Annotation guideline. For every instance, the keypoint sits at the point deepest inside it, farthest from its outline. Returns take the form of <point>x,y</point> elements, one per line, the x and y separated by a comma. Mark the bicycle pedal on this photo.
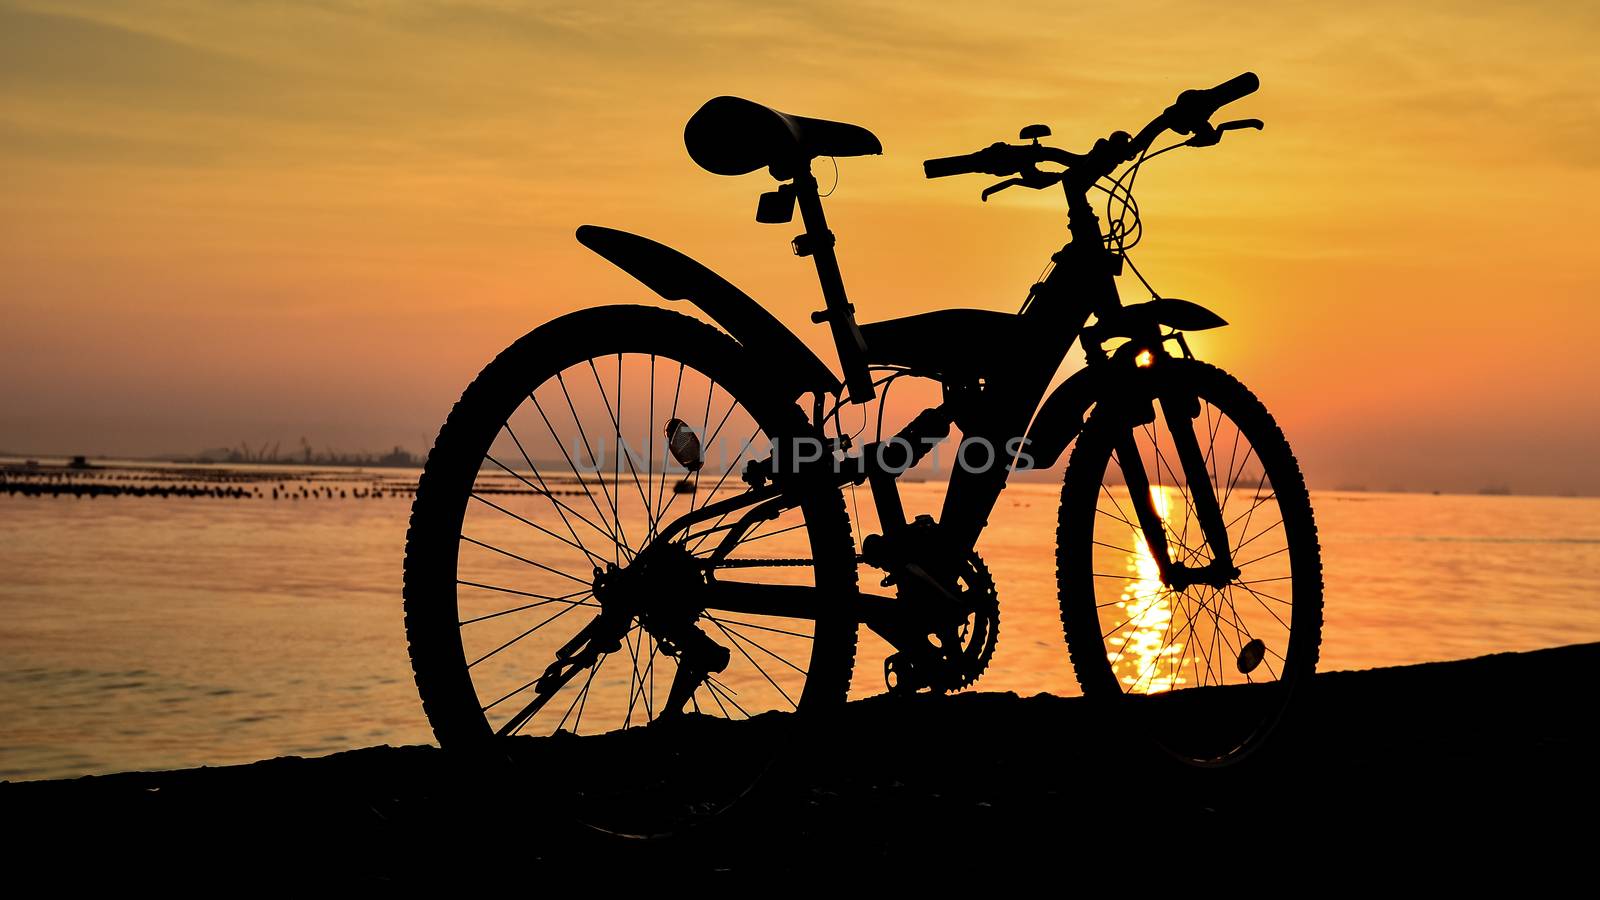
<point>901,676</point>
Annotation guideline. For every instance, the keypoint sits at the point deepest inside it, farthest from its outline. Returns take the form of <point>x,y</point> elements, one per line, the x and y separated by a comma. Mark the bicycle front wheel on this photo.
<point>1206,669</point>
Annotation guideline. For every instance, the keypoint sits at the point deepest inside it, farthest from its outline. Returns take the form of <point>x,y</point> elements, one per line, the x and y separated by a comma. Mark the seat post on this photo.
<point>817,243</point>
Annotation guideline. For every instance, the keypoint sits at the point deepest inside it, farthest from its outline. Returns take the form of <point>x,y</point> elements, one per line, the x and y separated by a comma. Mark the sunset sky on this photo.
<point>226,222</point>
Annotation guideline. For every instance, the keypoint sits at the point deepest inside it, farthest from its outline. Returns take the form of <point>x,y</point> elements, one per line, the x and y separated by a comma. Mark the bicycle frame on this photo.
<point>999,411</point>
<point>1007,408</point>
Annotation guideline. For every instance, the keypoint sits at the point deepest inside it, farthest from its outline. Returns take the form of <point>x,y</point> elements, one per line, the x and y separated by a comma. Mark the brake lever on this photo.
<point>1257,124</point>
<point>997,188</point>
<point>1029,178</point>
<point>1208,135</point>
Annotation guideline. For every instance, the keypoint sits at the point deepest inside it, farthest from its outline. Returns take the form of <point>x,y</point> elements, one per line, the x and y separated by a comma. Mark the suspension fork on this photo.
<point>1144,504</point>
<point>1179,410</point>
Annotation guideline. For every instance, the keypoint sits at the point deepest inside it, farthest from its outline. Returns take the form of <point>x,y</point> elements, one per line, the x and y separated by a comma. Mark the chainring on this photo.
<point>977,637</point>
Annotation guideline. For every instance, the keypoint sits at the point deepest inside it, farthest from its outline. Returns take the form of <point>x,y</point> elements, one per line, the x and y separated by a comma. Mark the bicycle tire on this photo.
<point>1230,723</point>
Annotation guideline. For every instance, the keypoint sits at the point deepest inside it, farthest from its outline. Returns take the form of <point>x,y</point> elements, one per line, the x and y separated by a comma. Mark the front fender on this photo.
<point>1138,319</point>
<point>1061,417</point>
<point>790,364</point>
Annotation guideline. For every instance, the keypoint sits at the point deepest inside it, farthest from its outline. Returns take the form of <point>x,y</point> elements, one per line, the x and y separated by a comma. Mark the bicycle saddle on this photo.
<point>733,136</point>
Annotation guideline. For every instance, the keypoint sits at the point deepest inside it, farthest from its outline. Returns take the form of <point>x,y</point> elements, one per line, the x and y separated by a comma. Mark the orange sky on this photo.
<point>226,222</point>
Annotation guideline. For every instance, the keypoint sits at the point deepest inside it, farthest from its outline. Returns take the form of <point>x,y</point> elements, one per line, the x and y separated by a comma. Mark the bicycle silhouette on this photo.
<point>633,515</point>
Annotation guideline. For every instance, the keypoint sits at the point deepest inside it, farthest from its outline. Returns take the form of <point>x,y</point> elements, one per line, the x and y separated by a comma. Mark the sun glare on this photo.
<point>1146,607</point>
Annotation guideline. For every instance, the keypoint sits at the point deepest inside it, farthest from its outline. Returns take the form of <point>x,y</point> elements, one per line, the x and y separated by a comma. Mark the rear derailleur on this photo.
<point>649,591</point>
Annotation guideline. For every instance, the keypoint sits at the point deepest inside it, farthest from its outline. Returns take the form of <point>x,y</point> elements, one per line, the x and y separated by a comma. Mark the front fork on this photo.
<point>1179,409</point>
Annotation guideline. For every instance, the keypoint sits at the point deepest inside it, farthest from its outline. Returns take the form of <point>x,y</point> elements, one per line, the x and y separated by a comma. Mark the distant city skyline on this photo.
<point>1456,480</point>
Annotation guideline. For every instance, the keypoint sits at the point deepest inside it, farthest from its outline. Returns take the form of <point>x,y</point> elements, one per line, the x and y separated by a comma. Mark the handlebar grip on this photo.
<point>946,166</point>
<point>1233,89</point>
<point>1194,108</point>
<point>995,159</point>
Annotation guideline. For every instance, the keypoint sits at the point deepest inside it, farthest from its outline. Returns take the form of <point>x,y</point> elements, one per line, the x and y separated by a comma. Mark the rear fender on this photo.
<point>788,364</point>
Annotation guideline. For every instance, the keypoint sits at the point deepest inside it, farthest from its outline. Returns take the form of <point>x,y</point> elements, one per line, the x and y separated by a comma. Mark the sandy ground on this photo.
<point>1430,775</point>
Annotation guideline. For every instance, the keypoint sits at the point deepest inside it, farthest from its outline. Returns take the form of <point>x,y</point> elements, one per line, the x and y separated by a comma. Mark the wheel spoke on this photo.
<point>524,559</point>
<point>712,690</point>
<point>1250,513</point>
<point>519,637</point>
<point>718,486</point>
<point>621,445</point>
<point>733,633</point>
<point>561,508</point>
<point>1245,543</point>
<point>1266,607</point>
<point>718,689</point>
<point>543,601</point>
<point>751,660</point>
<point>536,526</point>
<point>650,452</point>
<point>661,492</point>
<point>578,701</point>
<point>632,644</point>
<point>647,680</point>
<point>617,537</point>
<point>1283,549</point>
<point>509,696</point>
<point>611,500</point>
<point>726,621</point>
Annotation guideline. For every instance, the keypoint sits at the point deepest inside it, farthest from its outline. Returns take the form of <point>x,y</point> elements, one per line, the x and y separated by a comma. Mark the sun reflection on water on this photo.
<point>1146,609</point>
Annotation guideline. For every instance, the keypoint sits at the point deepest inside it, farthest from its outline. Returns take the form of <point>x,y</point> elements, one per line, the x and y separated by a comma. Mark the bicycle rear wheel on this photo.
<point>1206,670</point>
<point>548,480</point>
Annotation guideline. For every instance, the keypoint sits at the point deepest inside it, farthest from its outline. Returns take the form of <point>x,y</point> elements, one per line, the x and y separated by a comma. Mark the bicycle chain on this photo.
<point>762,563</point>
<point>986,611</point>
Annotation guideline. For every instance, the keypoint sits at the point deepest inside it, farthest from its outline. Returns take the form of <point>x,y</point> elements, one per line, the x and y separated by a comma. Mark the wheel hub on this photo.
<point>1181,578</point>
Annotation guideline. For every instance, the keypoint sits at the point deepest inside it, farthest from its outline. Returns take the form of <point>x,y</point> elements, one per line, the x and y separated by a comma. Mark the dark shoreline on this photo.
<point>1477,761</point>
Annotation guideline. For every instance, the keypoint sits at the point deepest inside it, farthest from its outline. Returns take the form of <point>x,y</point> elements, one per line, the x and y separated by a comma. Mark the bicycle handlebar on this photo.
<point>1189,114</point>
<point>999,159</point>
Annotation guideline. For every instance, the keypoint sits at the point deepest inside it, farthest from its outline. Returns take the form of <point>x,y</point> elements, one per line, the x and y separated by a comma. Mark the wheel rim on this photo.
<point>1241,641</point>
<point>554,500</point>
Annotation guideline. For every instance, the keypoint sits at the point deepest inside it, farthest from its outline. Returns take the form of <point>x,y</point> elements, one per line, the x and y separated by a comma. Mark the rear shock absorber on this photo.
<point>901,453</point>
